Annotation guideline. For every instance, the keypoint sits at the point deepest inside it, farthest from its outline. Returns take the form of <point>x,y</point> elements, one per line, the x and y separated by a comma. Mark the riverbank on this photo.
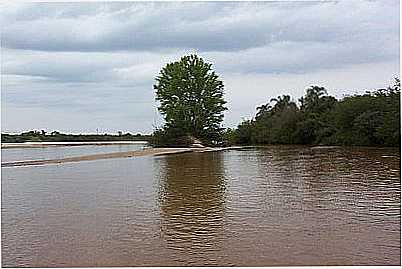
<point>42,136</point>
<point>126,154</point>
<point>67,144</point>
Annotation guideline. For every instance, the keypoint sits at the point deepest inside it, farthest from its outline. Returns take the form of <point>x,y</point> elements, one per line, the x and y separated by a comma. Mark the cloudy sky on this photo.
<point>76,67</point>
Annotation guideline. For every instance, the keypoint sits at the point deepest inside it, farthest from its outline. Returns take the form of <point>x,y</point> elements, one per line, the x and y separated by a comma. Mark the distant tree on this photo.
<point>315,123</point>
<point>191,99</point>
<point>316,100</point>
<point>390,129</point>
<point>263,110</point>
<point>370,119</point>
<point>244,133</point>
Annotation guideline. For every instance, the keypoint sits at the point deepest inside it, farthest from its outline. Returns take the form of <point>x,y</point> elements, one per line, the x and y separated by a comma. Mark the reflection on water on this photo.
<point>191,198</point>
<point>257,207</point>
<point>302,206</point>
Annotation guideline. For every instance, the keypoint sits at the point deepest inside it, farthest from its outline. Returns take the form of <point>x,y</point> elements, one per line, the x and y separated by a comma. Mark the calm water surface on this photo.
<point>258,207</point>
<point>24,154</point>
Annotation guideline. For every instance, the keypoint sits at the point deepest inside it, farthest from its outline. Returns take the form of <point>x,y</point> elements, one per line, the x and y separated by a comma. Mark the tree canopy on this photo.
<point>190,97</point>
<point>370,119</point>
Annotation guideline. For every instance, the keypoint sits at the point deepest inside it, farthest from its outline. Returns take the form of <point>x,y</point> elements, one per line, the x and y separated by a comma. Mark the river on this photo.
<point>271,206</point>
<point>58,150</point>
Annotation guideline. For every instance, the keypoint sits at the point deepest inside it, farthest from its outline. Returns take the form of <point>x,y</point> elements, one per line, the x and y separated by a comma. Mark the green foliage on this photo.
<point>276,124</point>
<point>191,100</point>
<point>55,136</point>
<point>170,137</point>
<point>371,119</point>
<point>316,101</point>
<point>244,133</point>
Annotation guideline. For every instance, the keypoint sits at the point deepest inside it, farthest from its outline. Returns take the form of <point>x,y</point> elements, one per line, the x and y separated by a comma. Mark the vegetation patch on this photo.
<point>370,119</point>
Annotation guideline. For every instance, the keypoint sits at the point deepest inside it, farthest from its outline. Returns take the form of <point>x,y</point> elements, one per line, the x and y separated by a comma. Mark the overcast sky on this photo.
<point>77,67</point>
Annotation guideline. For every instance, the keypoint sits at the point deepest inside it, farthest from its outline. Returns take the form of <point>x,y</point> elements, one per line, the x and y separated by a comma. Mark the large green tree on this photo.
<point>190,95</point>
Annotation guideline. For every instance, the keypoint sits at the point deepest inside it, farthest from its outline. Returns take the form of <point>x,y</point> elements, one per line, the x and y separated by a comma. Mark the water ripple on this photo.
<point>273,206</point>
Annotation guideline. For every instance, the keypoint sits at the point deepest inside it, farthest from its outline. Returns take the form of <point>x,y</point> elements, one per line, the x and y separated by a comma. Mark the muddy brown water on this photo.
<point>254,207</point>
<point>21,152</point>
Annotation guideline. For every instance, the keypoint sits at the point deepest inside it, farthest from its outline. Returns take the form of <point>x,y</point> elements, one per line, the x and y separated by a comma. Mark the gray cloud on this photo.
<point>99,60</point>
<point>204,26</point>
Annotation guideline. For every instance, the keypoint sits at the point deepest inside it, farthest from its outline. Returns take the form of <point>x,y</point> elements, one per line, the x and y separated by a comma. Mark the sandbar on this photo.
<point>125,154</point>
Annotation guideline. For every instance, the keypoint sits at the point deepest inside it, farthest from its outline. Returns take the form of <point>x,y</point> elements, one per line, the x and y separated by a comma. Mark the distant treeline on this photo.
<point>42,136</point>
<point>370,119</point>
